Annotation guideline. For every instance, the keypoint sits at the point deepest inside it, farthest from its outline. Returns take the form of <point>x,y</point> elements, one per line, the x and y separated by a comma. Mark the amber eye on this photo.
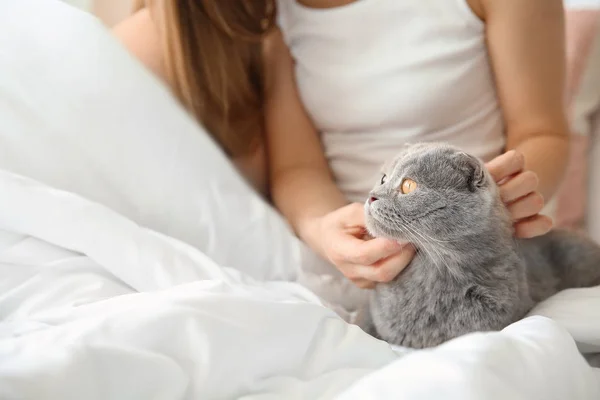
<point>383,179</point>
<point>408,186</point>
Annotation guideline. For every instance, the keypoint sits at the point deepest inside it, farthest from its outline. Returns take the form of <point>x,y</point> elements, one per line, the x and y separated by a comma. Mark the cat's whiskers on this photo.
<point>425,243</point>
<point>433,252</point>
<point>419,239</point>
<point>430,251</point>
<point>435,240</point>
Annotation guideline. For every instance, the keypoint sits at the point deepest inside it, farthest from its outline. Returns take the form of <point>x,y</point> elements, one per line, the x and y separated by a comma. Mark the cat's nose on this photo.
<point>372,199</point>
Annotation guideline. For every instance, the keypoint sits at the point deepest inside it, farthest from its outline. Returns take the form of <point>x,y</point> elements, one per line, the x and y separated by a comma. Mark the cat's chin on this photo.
<point>378,230</point>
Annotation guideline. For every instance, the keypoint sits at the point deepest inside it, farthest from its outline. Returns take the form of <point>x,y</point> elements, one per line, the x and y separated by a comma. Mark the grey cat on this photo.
<point>469,273</point>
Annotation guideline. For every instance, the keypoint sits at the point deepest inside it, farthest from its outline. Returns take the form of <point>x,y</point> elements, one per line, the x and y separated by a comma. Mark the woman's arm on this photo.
<point>526,45</point>
<point>301,183</point>
<point>302,186</point>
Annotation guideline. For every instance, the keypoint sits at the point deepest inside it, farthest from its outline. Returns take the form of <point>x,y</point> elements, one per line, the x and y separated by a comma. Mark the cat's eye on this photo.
<point>383,179</point>
<point>408,186</point>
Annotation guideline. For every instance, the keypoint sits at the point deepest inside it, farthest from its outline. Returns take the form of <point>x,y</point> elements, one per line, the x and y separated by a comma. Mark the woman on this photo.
<point>224,64</point>
<point>486,75</point>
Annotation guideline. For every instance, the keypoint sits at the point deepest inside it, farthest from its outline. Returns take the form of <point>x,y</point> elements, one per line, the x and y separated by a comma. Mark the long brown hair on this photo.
<point>213,60</point>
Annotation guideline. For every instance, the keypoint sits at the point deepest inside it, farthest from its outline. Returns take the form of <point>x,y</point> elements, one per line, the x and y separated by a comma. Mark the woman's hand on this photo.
<point>363,260</point>
<point>518,190</point>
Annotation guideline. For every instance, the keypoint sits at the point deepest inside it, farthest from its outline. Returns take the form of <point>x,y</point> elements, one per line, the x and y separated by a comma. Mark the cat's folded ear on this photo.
<point>474,170</point>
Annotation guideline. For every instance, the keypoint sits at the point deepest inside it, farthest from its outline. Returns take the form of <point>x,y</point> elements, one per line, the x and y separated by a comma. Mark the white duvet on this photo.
<point>136,264</point>
<point>94,306</point>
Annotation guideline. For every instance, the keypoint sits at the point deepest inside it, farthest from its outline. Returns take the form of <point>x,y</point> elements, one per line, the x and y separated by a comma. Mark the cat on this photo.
<point>469,273</point>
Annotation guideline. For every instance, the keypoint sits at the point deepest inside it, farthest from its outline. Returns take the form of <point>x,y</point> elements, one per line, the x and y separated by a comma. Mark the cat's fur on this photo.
<point>469,273</point>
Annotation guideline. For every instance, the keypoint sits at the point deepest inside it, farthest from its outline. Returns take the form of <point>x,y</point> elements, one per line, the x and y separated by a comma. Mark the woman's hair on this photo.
<point>213,61</point>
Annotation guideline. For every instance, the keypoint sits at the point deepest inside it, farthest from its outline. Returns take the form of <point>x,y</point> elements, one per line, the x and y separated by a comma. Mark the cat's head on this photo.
<point>432,193</point>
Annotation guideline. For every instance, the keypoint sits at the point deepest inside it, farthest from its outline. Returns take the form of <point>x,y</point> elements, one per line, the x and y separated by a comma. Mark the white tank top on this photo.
<point>376,74</point>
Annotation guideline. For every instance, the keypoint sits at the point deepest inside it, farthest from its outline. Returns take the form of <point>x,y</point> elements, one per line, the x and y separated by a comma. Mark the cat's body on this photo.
<point>469,274</point>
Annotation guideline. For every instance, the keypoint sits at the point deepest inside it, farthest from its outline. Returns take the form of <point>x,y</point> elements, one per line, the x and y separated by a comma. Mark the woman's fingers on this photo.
<point>351,250</point>
<point>534,226</point>
<point>506,165</point>
<point>351,215</point>
<point>519,186</point>
<point>386,270</point>
<point>372,251</point>
<point>363,260</point>
<point>526,207</point>
<point>518,190</point>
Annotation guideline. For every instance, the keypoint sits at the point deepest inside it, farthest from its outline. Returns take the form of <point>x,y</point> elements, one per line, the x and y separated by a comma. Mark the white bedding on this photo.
<point>136,264</point>
<point>94,306</point>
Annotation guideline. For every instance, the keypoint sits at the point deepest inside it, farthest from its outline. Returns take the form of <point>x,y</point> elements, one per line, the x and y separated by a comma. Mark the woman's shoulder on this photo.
<point>139,33</point>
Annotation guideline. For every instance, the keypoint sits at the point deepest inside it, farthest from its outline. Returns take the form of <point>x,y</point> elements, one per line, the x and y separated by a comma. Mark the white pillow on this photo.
<point>77,112</point>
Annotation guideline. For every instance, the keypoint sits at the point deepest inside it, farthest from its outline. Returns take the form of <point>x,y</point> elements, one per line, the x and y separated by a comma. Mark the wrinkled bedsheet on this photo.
<point>94,306</point>
<point>135,263</point>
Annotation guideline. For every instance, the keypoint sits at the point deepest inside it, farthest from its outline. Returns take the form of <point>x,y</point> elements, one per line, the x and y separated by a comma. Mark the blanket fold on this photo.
<point>94,306</point>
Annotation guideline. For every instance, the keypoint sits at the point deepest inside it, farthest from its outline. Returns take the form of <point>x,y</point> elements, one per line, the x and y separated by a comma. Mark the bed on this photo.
<point>135,263</point>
